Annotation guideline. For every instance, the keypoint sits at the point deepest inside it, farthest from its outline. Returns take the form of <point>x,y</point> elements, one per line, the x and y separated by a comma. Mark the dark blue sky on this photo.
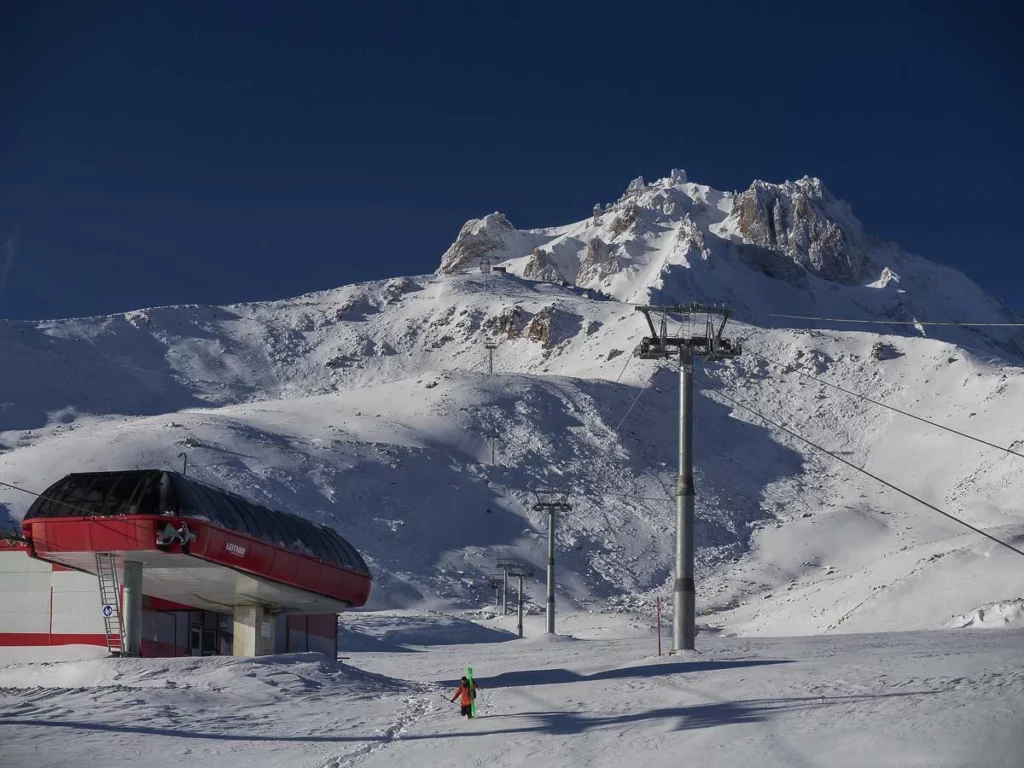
<point>171,152</point>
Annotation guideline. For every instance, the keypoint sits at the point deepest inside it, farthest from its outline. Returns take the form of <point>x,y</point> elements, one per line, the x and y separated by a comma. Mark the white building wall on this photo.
<point>76,604</point>
<point>24,593</point>
<point>36,599</point>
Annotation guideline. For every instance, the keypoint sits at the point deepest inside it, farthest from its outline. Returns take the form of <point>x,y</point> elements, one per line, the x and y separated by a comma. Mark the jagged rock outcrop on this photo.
<point>541,267</point>
<point>477,238</point>
<point>598,262</point>
<point>636,187</point>
<point>510,323</point>
<point>539,328</point>
<point>626,221</point>
<point>803,221</point>
<point>691,239</point>
<point>551,327</point>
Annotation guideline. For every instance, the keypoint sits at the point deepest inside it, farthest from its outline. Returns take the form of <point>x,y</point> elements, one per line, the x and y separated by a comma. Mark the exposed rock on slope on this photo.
<point>491,237</point>
<point>598,262</point>
<point>794,219</point>
<point>541,267</point>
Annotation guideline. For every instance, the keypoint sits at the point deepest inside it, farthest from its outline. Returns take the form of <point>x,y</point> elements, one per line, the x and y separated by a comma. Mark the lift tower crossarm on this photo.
<point>659,345</point>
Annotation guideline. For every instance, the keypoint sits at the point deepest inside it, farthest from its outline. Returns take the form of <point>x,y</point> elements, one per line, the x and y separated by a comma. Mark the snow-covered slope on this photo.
<point>601,699</point>
<point>367,407</point>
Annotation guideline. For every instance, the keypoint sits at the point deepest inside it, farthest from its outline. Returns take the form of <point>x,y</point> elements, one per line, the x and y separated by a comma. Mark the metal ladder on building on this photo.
<point>110,603</point>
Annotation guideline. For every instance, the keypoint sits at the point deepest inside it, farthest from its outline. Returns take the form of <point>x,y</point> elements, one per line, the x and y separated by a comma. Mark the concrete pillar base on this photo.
<point>254,631</point>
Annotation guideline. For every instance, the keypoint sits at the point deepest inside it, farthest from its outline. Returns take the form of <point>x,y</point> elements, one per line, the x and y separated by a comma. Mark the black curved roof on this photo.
<point>156,492</point>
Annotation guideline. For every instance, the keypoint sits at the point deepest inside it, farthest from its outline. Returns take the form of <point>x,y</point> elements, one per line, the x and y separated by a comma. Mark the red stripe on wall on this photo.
<point>159,604</point>
<point>154,649</point>
<point>44,639</point>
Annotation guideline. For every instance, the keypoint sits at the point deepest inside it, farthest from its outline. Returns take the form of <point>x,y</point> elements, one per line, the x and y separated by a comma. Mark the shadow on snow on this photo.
<point>551,722</point>
<point>556,676</point>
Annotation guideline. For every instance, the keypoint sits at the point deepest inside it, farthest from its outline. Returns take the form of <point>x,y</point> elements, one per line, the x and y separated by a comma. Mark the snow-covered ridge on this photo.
<point>1003,614</point>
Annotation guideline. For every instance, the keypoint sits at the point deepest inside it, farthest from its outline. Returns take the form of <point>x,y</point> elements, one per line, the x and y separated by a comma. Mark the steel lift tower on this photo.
<point>708,343</point>
<point>504,564</point>
<point>490,346</point>
<point>496,583</point>
<point>520,571</point>
<point>551,502</point>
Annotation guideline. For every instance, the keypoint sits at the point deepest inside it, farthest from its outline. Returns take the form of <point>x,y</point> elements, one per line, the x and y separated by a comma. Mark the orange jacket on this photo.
<point>467,697</point>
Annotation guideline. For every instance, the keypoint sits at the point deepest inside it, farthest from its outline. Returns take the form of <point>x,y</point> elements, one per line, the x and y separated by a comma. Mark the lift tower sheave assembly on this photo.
<point>706,342</point>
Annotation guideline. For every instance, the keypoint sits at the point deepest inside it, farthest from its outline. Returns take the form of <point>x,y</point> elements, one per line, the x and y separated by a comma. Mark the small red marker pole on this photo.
<point>659,626</point>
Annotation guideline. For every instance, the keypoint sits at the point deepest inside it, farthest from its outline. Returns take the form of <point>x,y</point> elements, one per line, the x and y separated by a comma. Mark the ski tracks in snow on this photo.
<point>417,706</point>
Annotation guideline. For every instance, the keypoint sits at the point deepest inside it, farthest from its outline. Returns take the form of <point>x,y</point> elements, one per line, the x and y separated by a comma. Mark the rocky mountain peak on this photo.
<point>775,247</point>
<point>477,238</point>
<point>636,187</point>
<point>803,221</point>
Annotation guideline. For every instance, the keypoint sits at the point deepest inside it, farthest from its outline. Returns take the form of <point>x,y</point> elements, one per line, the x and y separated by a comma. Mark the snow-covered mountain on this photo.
<point>367,407</point>
<point>788,248</point>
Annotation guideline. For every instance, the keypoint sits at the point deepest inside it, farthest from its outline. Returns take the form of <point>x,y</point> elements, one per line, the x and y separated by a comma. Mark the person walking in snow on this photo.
<point>467,695</point>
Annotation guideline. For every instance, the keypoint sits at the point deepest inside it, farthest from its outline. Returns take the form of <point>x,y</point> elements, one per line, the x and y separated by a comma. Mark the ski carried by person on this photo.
<point>467,694</point>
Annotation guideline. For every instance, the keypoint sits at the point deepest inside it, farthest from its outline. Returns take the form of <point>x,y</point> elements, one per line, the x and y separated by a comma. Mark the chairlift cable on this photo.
<point>890,407</point>
<point>875,477</point>
<point>951,323</point>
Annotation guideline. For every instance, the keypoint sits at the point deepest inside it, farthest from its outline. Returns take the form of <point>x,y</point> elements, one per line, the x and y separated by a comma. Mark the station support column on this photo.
<point>132,607</point>
<point>254,631</point>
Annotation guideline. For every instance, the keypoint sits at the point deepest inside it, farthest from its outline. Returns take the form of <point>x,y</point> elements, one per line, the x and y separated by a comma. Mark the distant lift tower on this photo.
<point>492,436</point>
<point>520,571</point>
<point>504,565</point>
<point>658,346</point>
<point>496,583</point>
<point>490,346</point>
<point>485,269</point>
